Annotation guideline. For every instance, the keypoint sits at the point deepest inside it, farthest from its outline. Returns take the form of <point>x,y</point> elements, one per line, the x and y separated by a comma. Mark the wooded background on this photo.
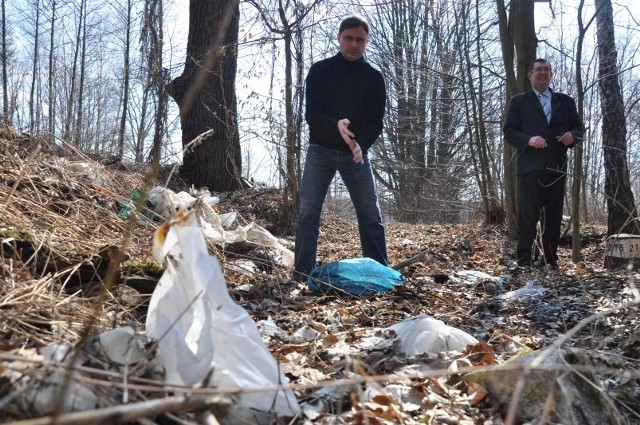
<point>120,79</point>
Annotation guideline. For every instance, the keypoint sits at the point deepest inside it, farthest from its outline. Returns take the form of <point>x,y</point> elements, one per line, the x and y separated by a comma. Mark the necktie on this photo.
<point>545,106</point>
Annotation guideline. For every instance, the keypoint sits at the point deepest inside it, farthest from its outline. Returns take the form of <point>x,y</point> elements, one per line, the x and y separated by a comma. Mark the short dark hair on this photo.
<point>533,64</point>
<point>354,21</point>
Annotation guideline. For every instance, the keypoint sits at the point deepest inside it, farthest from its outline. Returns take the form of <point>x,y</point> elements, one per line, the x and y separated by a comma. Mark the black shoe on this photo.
<point>524,262</point>
<point>542,263</point>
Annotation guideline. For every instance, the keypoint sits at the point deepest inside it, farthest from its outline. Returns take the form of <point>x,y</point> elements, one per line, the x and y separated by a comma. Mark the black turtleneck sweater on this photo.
<point>337,88</point>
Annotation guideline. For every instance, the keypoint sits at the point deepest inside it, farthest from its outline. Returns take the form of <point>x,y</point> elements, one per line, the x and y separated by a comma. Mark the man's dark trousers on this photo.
<point>543,202</point>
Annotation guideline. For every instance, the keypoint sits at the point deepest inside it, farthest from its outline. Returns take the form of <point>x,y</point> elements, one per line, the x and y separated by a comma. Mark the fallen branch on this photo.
<point>409,261</point>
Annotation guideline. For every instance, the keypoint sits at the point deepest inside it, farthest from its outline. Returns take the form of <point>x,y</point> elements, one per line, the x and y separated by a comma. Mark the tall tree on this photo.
<point>578,153</point>
<point>400,33</point>
<point>5,59</point>
<point>285,20</point>
<point>474,92</point>
<point>81,82</point>
<point>519,44</point>
<point>152,30</point>
<point>126,75</point>
<point>35,70</point>
<point>52,73</point>
<point>620,202</point>
<point>66,135</point>
<point>205,94</point>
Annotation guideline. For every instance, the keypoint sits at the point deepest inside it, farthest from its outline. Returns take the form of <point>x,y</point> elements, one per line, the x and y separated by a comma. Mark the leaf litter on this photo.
<point>72,270</point>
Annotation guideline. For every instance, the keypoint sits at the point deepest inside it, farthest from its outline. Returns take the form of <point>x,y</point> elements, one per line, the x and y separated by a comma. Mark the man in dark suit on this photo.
<point>541,125</point>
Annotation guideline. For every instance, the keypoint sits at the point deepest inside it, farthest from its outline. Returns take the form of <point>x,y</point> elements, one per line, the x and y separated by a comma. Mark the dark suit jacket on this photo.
<point>526,119</point>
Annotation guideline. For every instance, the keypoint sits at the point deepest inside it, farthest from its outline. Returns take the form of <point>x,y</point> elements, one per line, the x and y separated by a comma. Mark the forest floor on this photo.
<point>62,235</point>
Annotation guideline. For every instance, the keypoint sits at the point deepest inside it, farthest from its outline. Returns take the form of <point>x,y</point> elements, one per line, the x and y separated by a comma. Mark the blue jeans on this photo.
<point>320,167</point>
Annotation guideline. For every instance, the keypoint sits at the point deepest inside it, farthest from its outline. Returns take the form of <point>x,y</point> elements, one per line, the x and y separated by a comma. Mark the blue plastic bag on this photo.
<point>356,276</point>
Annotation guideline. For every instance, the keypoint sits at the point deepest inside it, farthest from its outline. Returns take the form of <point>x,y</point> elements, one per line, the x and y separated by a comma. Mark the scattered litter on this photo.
<point>268,328</point>
<point>477,277</point>
<point>244,267</point>
<point>529,292</point>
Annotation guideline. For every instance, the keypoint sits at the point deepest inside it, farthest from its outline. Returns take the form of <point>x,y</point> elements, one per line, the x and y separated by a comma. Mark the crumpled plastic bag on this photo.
<point>166,202</point>
<point>425,334</point>
<point>215,227</point>
<point>204,337</point>
<point>356,276</point>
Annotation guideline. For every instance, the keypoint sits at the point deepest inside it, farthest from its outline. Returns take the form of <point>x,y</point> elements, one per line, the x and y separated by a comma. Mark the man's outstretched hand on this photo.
<point>350,139</point>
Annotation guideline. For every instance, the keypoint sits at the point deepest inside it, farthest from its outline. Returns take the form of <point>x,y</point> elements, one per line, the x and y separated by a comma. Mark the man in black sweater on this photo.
<point>541,124</point>
<point>345,105</point>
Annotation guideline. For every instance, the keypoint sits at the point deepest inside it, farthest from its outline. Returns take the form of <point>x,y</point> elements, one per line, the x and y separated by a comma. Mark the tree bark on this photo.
<point>578,152</point>
<point>156,76</point>
<point>126,78</point>
<point>66,135</point>
<point>5,59</point>
<point>79,140</point>
<point>519,44</point>
<point>34,78</point>
<point>493,209</point>
<point>205,93</point>
<point>52,74</point>
<point>620,202</point>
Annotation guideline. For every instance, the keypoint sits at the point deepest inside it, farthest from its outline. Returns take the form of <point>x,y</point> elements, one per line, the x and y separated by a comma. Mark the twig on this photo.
<point>130,412</point>
<point>404,263</point>
<point>19,179</point>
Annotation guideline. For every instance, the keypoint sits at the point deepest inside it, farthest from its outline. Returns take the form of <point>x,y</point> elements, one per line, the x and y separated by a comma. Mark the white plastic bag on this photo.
<point>201,329</point>
<point>424,334</point>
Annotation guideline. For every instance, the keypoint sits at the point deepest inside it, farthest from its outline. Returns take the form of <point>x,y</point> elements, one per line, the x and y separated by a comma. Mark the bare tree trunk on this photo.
<point>493,210</point>
<point>620,202</point>
<point>51,129</point>
<point>34,71</point>
<point>125,89</point>
<point>518,40</point>
<point>404,155</point>
<point>205,93</point>
<point>291,198</point>
<point>83,68</point>
<point>6,116</point>
<point>66,135</point>
<point>142,131</point>
<point>298,118</point>
<point>292,33</point>
<point>578,152</point>
<point>158,80</point>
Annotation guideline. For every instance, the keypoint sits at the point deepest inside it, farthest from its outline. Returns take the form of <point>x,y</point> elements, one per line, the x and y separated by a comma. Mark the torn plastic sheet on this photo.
<point>202,331</point>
